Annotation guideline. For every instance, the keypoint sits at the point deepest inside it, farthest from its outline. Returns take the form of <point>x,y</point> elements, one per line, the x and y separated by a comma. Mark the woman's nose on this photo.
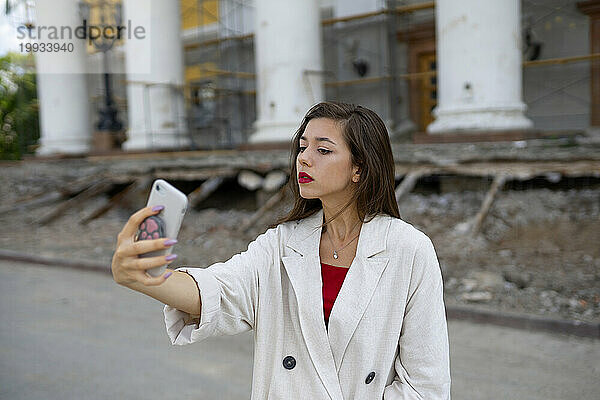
<point>303,158</point>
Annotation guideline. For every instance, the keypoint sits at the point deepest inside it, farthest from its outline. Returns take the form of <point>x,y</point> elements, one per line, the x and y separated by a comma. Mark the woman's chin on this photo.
<point>307,196</point>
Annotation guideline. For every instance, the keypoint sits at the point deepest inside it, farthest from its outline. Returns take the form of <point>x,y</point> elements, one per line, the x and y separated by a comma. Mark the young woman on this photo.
<point>345,298</point>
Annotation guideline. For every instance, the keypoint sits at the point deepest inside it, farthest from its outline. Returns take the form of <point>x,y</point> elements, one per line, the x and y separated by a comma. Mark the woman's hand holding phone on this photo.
<point>127,267</point>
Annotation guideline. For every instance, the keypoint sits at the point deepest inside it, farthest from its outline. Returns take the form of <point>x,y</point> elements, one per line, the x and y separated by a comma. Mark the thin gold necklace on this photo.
<point>335,252</point>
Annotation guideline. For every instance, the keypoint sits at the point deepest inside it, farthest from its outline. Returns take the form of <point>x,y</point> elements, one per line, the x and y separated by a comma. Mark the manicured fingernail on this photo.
<point>157,208</point>
<point>170,242</point>
<point>168,274</point>
<point>171,257</point>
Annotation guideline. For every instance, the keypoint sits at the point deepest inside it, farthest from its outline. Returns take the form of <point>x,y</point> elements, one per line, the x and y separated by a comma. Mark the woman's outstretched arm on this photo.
<point>179,291</point>
<point>229,291</point>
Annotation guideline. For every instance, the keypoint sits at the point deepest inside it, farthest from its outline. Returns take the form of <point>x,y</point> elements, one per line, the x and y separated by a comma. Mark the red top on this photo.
<point>333,277</point>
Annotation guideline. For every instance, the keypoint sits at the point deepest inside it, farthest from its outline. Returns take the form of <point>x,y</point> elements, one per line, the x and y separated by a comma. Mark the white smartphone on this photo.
<point>168,222</point>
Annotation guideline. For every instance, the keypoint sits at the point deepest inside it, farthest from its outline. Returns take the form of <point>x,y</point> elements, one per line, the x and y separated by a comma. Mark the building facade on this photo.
<point>223,73</point>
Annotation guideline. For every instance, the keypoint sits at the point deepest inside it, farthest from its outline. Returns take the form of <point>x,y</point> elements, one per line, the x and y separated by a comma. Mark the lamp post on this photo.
<point>110,17</point>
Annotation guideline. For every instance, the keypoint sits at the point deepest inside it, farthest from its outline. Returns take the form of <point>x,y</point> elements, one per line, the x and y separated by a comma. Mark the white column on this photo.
<point>154,65</point>
<point>65,124</point>
<point>479,66</point>
<point>287,44</point>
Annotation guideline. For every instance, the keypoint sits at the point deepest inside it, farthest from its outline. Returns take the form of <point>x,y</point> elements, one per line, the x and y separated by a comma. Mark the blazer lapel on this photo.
<point>359,285</point>
<point>351,303</point>
<point>304,271</point>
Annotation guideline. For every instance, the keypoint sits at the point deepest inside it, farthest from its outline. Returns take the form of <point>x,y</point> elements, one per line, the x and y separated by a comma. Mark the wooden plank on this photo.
<point>397,10</point>
<point>93,190</point>
<point>497,184</point>
<point>272,202</point>
<point>204,190</point>
<point>472,137</point>
<point>78,185</point>
<point>561,60</point>
<point>27,199</point>
<point>195,174</point>
<point>517,169</point>
<point>152,154</point>
<point>46,197</point>
<point>110,203</point>
<point>361,81</point>
<point>409,182</point>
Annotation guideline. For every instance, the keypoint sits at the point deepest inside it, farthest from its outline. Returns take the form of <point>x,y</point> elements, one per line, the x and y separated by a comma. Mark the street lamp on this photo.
<point>110,17</point>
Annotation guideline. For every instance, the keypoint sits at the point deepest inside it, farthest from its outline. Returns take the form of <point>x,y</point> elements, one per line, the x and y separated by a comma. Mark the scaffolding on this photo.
<point>221,98</point>
<point>220,89</point>
<point>374,62</point>
<point>556,85</point>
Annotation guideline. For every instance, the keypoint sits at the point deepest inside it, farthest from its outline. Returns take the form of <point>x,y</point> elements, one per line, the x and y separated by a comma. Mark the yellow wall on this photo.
<point>196,72</point>
<point>194,13</point>
<point>198,12</point>
<point>94,19</point>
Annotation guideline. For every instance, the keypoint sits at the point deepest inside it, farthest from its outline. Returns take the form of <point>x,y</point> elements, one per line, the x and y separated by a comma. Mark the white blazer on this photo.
<point>387,336</point>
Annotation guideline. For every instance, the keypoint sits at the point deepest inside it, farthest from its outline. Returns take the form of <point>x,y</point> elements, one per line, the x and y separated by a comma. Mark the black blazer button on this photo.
<point>289,362</point>
<point>370,378</point>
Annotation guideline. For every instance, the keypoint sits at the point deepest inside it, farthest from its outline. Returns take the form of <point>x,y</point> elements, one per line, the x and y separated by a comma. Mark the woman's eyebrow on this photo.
<point>319,139</point>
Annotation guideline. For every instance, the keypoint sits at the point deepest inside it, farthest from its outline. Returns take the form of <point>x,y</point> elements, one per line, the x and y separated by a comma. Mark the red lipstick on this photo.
<point>303,177</point>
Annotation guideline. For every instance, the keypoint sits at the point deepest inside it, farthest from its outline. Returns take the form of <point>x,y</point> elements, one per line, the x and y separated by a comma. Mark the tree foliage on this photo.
<point>19,120</point>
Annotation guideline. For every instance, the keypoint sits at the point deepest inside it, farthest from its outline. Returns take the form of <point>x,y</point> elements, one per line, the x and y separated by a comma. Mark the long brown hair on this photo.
<point>369,143</point>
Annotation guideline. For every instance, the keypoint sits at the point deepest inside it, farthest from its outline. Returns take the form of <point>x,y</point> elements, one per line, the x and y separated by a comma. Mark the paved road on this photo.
<point>70,334</point>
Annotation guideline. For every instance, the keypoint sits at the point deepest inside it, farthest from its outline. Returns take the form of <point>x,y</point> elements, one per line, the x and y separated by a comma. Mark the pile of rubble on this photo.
<point>536,251</point>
